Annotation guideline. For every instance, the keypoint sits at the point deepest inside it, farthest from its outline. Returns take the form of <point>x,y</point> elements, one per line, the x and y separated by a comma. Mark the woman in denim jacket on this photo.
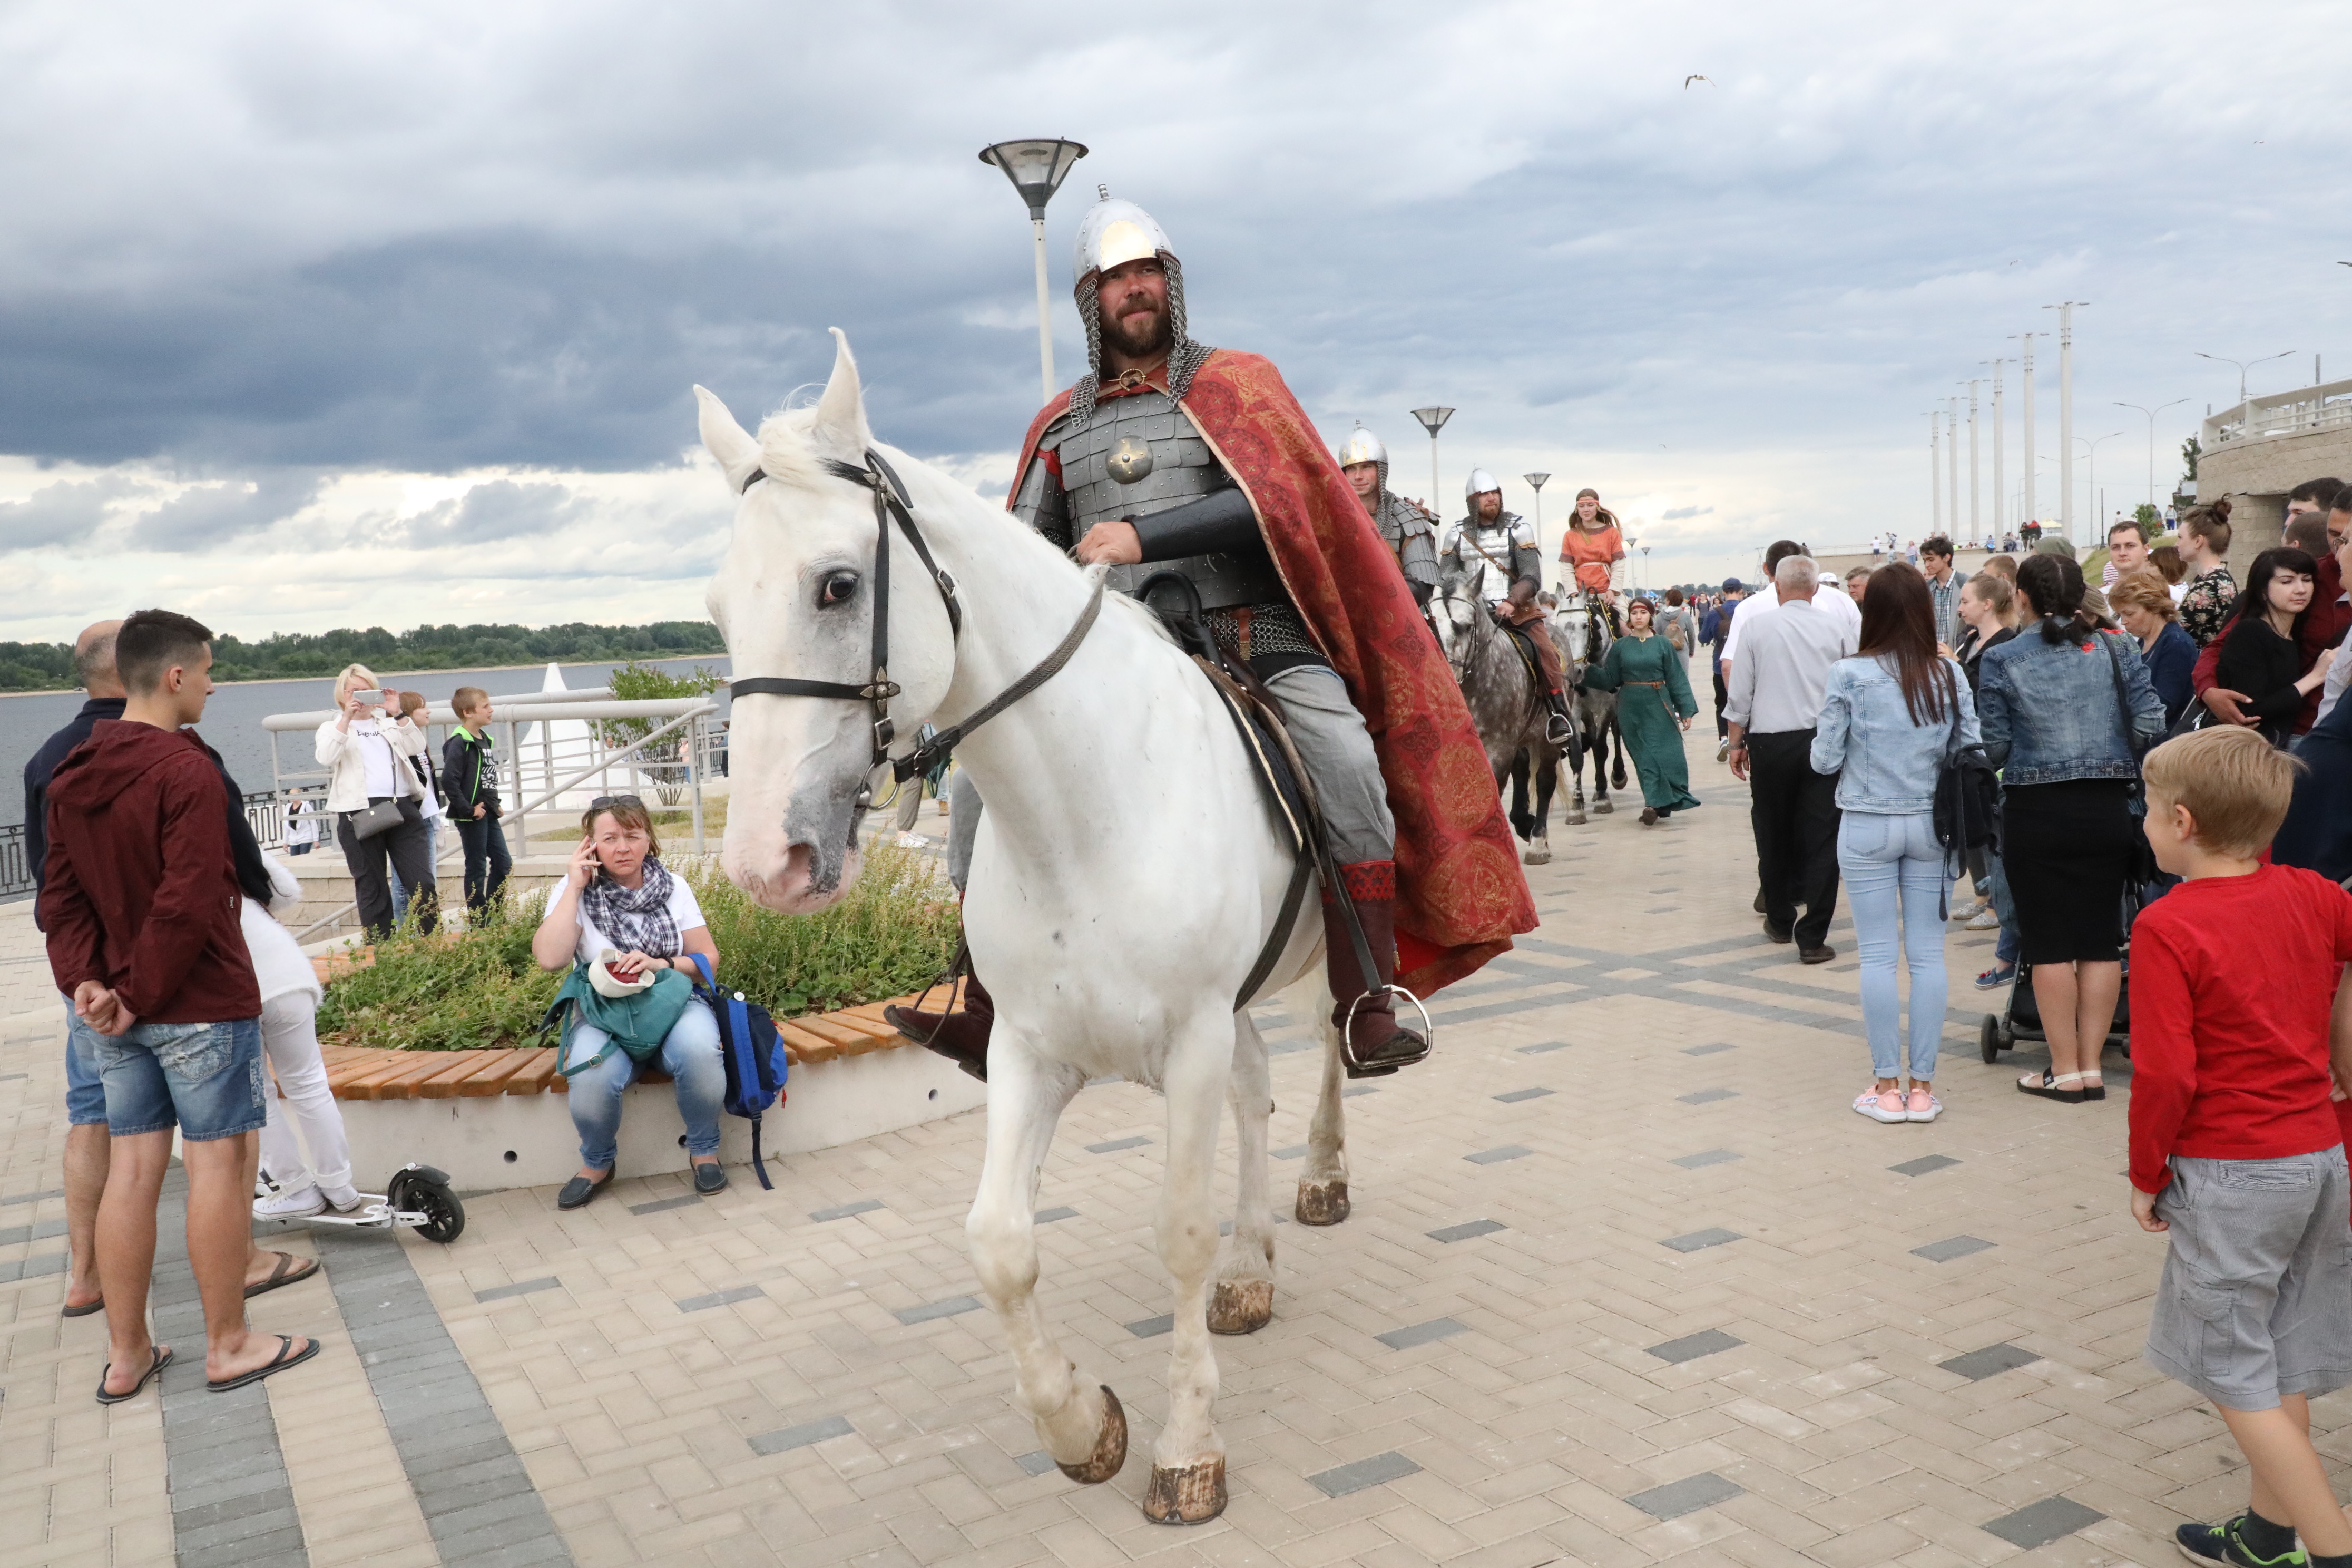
<point>2069,756</point>
<point>1890,714</point>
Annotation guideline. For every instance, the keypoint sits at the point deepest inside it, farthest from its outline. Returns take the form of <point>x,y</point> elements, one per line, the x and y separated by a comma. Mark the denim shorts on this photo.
<point>85,1095</point>
<point>2256,1299</point>
<point>205,1077</point>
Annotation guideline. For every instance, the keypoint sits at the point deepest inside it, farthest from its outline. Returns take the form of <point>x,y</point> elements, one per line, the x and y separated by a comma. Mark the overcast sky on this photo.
<point>364,314</point>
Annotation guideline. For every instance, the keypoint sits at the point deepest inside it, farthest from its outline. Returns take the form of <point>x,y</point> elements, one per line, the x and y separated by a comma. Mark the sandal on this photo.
<point>286,1356</point>
<point>284,1274</point>
<point>2049,1088</point>
<point>158,1359</point>
<point>84,1310</point>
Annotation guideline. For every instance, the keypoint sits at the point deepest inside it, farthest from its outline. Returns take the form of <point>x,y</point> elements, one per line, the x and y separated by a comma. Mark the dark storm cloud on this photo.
<point>61,513</point>
<point>501,508</point>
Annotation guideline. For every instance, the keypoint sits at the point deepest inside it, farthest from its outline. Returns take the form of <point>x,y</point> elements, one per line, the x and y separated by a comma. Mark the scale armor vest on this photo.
<point>1146,438</point>
<point>1411,537</point>
<point>1491,556</point>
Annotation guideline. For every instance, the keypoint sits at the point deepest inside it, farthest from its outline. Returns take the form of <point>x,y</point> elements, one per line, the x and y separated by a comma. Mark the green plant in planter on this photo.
<point>893,931</point>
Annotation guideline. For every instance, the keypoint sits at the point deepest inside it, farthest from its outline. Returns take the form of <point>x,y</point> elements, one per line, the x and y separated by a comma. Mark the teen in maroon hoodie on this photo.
<point>140,901</point>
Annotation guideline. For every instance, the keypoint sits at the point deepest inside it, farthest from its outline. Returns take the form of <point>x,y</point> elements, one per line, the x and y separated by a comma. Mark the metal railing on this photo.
<point>261,814</point>
<point>2327,406</point>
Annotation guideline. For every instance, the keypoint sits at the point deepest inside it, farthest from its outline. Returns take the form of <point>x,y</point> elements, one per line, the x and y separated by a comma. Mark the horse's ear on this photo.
<point>840,430</point>
<point>735,448</point>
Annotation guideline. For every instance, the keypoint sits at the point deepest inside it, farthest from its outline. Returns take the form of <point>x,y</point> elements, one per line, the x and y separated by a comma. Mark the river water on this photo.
<point>232,724</point>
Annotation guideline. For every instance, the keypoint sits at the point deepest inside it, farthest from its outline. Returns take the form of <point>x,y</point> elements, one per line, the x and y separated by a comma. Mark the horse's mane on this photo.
<point>788,456</point>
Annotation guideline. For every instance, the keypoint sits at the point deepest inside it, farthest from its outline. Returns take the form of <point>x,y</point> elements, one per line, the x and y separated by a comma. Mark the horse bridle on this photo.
<point>892,503</point>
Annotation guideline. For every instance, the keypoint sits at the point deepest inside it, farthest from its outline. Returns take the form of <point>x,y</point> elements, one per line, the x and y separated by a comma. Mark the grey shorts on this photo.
<point>2256,1299</point>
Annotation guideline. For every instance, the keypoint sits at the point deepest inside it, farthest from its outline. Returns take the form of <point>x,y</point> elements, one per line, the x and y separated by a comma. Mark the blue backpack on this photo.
<point>754,1055</point>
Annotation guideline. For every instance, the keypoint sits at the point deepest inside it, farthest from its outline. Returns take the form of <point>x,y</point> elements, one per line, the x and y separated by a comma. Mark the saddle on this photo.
<point>1523,644</point>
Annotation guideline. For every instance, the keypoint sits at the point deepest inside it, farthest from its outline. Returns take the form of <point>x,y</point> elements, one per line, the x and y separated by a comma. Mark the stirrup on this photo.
<point>954,972</point>
<point>1358,1068</point>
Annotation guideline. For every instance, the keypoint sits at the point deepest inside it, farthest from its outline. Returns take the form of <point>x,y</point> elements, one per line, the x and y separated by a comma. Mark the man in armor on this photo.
<point>1494,551</point>
<point>1406,528</point>
<point>1172,458</point>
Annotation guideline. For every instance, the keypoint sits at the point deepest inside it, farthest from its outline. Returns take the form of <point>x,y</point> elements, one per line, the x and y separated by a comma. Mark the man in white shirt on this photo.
<point>1837,606</point>
<point>1775,701</point>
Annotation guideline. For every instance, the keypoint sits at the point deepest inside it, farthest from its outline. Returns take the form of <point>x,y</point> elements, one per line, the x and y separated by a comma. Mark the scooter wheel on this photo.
<point>425,1192</point>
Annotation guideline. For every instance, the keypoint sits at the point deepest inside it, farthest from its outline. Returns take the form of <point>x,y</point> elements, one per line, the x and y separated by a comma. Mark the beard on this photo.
<point>1140,334</point>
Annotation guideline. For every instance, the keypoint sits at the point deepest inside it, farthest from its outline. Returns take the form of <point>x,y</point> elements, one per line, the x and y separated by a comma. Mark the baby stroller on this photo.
<point>2022,1019</point>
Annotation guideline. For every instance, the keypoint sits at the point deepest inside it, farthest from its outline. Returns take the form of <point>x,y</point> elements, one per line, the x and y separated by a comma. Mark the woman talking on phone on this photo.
<point>619,899</point>
<point>373,792</point>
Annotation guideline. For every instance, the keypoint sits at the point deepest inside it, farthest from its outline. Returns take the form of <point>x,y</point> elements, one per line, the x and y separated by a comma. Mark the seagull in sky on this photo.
<point>1688,79</point>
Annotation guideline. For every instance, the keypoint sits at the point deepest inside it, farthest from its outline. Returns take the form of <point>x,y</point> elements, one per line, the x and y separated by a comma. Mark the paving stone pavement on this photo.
<point>1626,1283</point>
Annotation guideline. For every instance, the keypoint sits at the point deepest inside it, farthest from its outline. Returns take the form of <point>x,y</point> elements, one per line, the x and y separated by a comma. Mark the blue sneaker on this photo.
<point>2225,1542</point>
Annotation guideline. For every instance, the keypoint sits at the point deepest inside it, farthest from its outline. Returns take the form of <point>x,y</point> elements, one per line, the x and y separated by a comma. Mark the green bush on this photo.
<point>891,933</point>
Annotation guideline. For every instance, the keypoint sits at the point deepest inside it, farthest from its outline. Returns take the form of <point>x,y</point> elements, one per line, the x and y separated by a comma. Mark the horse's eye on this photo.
<point>838,589</point>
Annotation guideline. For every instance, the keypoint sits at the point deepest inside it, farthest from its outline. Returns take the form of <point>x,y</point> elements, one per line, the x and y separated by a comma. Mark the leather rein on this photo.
<point>891,503</point>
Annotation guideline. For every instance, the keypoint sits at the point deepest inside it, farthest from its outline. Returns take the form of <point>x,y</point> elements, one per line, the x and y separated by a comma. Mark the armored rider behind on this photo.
<point>1494,551</point>
<point>1131,474</point>
<point>1408,531</point>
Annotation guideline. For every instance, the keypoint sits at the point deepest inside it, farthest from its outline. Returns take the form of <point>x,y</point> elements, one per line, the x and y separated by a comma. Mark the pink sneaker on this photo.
<point>1922,1107</point>
<point>1878,1107</point>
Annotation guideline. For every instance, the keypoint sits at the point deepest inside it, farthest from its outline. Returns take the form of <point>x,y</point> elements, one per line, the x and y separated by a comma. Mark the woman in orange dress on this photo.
<point>1592,543</point>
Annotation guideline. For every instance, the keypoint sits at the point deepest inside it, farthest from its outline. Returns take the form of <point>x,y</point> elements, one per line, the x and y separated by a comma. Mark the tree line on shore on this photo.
<point>48,666</point>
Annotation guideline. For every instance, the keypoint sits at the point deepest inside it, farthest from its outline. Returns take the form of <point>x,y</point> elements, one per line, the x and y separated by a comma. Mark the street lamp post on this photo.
<point>1935,472</point>
<point>1432,419</point>
<point>2025,381</point>
<point>2091,453</point>
<point>2065,309</point>
<point>2151,414</point>
<point>2242,364</point>
<point>1952,461</point>
<point>1974,517</point>
<point>2000,491</point>
<point>1538,482</point>
<point>1036,167</point>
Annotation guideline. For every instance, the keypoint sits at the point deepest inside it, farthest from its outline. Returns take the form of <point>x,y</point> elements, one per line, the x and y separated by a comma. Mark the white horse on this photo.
<point>1127,875</point>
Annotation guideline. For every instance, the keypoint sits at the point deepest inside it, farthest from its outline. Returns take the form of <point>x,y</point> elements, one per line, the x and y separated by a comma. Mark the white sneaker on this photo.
<point>298,1204</point>
<point>1968,910</point>
<point>344,1200</point>
<point>1984,920</point>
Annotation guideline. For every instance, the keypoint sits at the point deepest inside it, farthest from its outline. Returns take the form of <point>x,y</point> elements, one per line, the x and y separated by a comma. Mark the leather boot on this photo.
<point>1560,727</point>
<point>1375,1044</point>
<point>962,1036</point>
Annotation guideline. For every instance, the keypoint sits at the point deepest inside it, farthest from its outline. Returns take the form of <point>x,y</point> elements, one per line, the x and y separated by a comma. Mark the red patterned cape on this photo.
<point>1461,895</point>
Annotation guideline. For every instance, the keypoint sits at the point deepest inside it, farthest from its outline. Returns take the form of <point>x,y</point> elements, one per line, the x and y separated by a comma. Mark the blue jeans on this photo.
<point>85,1094</point>
<point>2004,908</point>
<point>1885,859</point>
<point>206,1078</point>
<point>689,1054</point>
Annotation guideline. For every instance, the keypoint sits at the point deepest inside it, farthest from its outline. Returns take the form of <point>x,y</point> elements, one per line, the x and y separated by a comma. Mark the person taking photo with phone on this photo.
<point>374,794</point>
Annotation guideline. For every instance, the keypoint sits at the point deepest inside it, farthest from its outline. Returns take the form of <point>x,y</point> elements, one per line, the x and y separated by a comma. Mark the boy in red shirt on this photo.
<point>2235,1150</point>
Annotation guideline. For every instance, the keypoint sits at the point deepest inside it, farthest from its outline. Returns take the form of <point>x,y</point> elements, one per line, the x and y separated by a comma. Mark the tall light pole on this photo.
<point>2151,414</point>
<point>1936,471</point>
<point>1974,517</point>
<point>1952,458</point>
<point>1036,167</point>
<point>1538,482</point>
<point>2091,451</point>
<point>2025,380</point>
<point>2242,364</point>
<point>1434,420</point>
<point>2065,309</point>
<point>1999,489</point>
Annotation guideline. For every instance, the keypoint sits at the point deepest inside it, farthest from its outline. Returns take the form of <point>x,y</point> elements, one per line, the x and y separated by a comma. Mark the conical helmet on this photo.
<point>1362,447</point>
<point>1113,233</point>
<point>1479,482</point>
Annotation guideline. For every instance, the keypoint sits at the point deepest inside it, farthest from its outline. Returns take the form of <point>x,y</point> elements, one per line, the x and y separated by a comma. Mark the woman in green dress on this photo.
<point>1655,698</point>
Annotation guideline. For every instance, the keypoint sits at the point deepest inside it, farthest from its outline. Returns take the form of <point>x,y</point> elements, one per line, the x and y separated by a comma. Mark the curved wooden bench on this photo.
<point>369,1072</point>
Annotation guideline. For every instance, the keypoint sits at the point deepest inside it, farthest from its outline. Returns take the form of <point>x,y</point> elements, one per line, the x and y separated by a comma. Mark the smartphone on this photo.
<point>369,698</point>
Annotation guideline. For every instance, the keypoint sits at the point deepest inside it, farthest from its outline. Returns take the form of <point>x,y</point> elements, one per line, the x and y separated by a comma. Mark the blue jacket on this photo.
<point>1886,765</point>
<point>2049,711</point>
<point>2170,665</point>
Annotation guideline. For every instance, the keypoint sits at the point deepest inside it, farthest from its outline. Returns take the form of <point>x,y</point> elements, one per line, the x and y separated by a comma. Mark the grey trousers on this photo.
<point>1332,742</point>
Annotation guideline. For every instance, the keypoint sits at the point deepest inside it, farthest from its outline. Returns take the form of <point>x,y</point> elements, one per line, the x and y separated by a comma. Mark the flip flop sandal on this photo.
<point>276,1364</point>
<point>84,1310</point>
<point>282,1274</point>
<point>160,1359</point>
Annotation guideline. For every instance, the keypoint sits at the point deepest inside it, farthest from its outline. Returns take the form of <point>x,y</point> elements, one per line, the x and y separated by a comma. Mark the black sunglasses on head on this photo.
<point>602,801</point>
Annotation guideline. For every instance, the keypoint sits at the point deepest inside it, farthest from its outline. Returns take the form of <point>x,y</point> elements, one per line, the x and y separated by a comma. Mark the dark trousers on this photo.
<point>407,848</point>
<point>1795,814</point>
<point>1722,724</point>
<point>487,859</point>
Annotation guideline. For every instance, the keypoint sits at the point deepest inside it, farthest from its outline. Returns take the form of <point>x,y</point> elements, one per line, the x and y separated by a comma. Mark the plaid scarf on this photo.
<point>637,921</point>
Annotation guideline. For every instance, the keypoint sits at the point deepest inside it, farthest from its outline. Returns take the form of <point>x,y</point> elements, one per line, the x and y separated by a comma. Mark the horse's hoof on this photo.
<point>1602,808</point>
<point>1322,1202</point>
<point>1241,1306</point>
<point>1576,820</point>
<point>1110,1446</point>
<point>1193,1494</point>
<point>1537,857</point>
